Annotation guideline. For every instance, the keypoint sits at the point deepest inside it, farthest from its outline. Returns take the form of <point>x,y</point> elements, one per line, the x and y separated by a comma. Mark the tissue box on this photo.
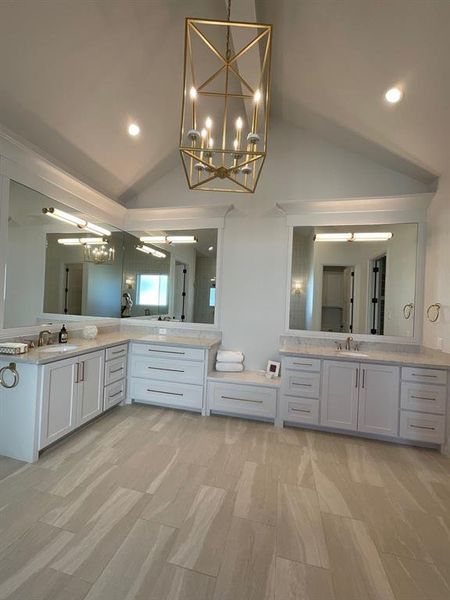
<point>13,348</point>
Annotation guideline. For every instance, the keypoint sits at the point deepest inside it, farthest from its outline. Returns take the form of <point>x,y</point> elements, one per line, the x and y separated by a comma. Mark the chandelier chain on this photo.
<point>227,55</point>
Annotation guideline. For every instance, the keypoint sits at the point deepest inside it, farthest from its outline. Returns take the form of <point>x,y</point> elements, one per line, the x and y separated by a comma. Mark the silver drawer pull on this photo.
<point>166,351</point>
<point>423,398</point>
<point>302,364</point>
<point>118,351</point>
<point>422,427</point>
<point>117,370</point>
<point>423,375</point>
<point>161,392</point>
<point>302,384</point>
<point>301,410</point>
<point>242,399</point>
<point>115,394</point>
<point>162,369</point>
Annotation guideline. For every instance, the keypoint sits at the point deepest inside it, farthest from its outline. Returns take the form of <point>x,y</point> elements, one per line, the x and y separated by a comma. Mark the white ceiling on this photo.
<point>74,73</point>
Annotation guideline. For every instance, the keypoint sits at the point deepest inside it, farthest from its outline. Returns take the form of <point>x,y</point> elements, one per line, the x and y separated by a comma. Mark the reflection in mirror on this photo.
<point>39,268</point>
<point>354,279</point>
<point>172,276</point>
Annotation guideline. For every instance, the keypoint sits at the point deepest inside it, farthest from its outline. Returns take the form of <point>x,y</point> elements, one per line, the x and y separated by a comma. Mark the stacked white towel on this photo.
<point>229,361</point>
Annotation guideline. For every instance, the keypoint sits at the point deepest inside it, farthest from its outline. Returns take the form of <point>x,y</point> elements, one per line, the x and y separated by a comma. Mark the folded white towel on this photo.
<point>226,367</point>
<point>230,356</point>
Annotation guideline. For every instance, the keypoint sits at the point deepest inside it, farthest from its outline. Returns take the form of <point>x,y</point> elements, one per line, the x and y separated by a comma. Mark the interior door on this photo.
<point>59,400</point>
<point>339,400</point>
<point>91,372</point>
<point>379,399</point>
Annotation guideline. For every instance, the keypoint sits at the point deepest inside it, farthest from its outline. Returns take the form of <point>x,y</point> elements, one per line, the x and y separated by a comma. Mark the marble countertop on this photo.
<point>36,356</point>
<point>425,358</point>
<point>245,378</point>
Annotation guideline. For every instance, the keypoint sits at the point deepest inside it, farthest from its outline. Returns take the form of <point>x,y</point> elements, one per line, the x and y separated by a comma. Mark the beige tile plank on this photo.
<point>176,583</point>
<point>416,580</point>
<point>338,494</point>
<point>295,581</point>
<point>256,494</point>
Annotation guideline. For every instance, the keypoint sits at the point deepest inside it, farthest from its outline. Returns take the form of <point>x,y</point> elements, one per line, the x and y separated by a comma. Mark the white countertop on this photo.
<point>425,358</point>
<point>245,378</point>
<point>36,356</point>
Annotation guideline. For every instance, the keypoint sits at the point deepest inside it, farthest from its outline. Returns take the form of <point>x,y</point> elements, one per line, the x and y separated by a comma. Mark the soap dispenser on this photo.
<point>63,335</point>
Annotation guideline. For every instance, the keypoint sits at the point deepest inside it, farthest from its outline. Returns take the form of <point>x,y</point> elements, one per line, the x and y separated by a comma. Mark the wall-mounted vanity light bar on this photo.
<point>358,236</point>
<point>97,241</point>
<point>148,250</point>
<point>169,239</point>
<point>60,215</point>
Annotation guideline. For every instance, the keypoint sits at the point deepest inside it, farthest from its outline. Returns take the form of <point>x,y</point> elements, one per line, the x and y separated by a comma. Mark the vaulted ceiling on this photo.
<point>74,73</point>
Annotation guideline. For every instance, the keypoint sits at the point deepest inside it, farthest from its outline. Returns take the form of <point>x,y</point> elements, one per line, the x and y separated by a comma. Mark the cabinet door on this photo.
<point>379,399</point>
<point>59,400</point>
<point>90,386</point>
<point>339,399</point>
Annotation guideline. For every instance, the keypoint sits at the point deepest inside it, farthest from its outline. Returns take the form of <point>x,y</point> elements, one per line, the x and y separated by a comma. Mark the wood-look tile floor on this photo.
<point>153,504</point>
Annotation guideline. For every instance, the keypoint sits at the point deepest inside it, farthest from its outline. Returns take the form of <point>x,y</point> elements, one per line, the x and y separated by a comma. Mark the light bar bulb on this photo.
<point>154,239</point>
<point>333,237</point>
<point>79,241</point>
<point>96,229</point>
<point>372,236</point>
<point>182,239</point>
<point>148,250</point>
<point>60,215</point>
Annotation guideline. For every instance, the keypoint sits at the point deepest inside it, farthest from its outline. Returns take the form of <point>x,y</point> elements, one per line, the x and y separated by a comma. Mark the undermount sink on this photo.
<point>58,349</point>
<point>354,353</point>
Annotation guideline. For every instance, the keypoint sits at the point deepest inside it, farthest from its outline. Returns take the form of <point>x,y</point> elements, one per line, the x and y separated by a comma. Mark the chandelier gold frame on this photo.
<point>231,165</point>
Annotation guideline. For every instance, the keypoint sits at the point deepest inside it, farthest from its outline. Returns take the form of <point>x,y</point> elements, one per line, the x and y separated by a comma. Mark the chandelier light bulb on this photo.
<point>134,129</point>
<point>257,96</point>
<point>208,123</point>
<point>193,93</point>
<point>236,144</point>
<point>211,143</point>
<point>203,133</point>
<point>239,123</point>
<point>394,95</point>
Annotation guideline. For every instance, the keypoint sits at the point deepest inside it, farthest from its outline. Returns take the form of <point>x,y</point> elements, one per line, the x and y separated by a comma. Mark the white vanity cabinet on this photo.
<point>71,395</point>
<point>115,376</point>
<point>172,376</point>
<point>360,397</point>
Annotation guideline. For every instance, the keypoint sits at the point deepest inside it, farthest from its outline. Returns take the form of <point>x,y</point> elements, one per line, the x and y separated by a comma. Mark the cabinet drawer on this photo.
<point>167,394</point>
<point>177,352</point>
<point>418,426</point>
<point>114,394</point>
<point>116,351</point>
<point>302,384</point>
<point>300,363</point>
<point>424,375</point>
<point>424,397</point>
<point>301,410</point>
<point>115,369</point>
<point>167,370</point>
<point>249,400</point>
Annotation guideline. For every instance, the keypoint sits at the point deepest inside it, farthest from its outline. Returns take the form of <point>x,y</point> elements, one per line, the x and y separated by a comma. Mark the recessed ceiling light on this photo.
<point>394,95</point>
<point>134,129</point>
<point>211,248</point>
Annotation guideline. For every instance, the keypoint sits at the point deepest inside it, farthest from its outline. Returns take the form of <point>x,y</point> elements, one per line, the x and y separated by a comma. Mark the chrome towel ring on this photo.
<point>11,368</point>
<point>407,310</point>
<point>433,312</point>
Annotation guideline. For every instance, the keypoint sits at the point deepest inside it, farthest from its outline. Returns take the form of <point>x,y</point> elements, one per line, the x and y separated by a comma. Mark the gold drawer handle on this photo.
<point>242,399</point>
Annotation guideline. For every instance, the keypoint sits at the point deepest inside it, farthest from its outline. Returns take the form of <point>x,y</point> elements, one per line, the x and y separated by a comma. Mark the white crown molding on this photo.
<point>25,165</point>
<point>177,217</point>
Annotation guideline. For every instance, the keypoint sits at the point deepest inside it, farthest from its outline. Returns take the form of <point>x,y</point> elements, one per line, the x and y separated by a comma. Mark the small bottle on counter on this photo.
<point>63,335</point>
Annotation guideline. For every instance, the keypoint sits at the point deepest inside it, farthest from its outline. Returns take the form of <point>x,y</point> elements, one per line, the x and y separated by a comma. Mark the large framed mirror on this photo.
<point>57,267</point>
<point>354,279</point>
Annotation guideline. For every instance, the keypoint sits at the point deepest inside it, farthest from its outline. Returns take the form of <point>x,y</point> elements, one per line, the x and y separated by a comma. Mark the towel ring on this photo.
<point>407,310</point>
<point>437,308</point>
<point>12,369</point>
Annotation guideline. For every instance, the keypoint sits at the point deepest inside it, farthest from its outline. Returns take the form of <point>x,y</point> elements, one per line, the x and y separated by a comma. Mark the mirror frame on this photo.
<point>362,218</point>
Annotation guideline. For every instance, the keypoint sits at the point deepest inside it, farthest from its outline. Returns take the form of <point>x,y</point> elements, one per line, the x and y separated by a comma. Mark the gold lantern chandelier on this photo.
<point>224,122</point>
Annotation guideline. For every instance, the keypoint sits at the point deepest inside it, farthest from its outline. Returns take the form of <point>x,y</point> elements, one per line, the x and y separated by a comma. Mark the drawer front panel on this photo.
<point>424,375</point>
<point>115,370</point>
<point>247,400</point>
<point>301,410</point>
<point>300,363</point>
<point>116,351</point>
<point>167,370</point>
<point>424,398</point>
<point>114,394</point>
<point>171,352</point>
<point>167,394</point>
<point>425,428</point>
<point>296,383</point>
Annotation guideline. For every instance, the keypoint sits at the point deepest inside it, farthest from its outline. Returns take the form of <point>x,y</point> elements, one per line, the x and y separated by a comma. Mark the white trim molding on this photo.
<point>177,217</point>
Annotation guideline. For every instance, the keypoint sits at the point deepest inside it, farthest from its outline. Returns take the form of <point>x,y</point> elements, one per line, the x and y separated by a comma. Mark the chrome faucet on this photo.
<point>348,343</point>
<point>45,333</point>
